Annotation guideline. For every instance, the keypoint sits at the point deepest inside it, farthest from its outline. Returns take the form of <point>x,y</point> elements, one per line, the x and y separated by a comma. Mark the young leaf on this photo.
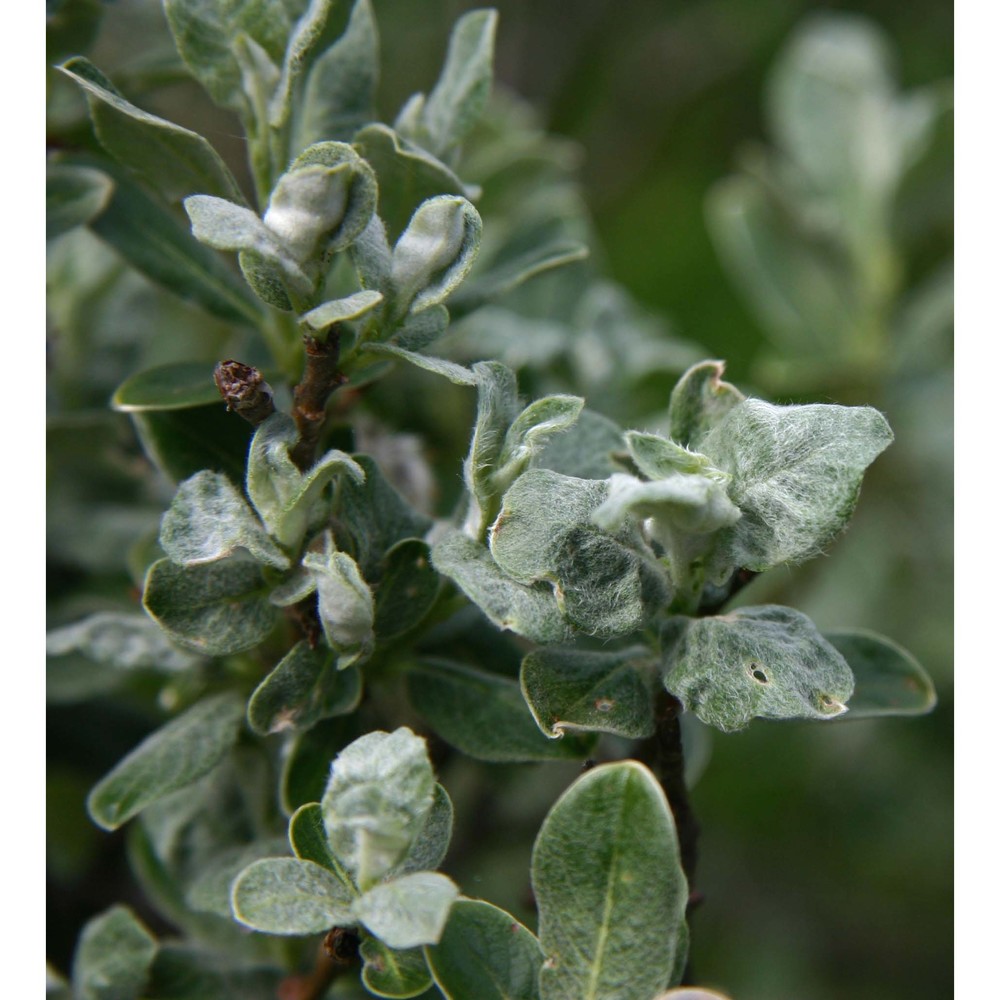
<point>113,957</point>
<point>211,890</point>
<point>408,911</point>
<point>611,893</point>
<point>306,766</point>
<point>289,896</point>
<point>887,679</point>
<point>209,519</point>
<point>482,714</point>
<point>767,662</point>
<point>434,254</point>
<point>303,688</point>
<point>584,450</point>
<point>699,401</point>
<point>215,609</point>
<point>605,584</point>
<point>304,37</point>
<point>338,310</point>
<point>339,93</point>
<point>125,641</point>
<point>451,370</point>
<point>530,611</point>
<point>391,973</point>
<point>422,329</point>
<point>380,790</point>
<point>527,435</point>
<point>307,835</point>
<point>485,953</point>
<point>570,689</point>
<point>430,846</point>
<point>174,160</point>
<point>176,755</point>
<point>345,603</point>
<point>796,474</point>
<point>73,196</point>
<point>459,97</point>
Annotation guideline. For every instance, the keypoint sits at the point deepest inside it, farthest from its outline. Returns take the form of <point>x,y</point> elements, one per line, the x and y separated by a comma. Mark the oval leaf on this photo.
<point>391,973</point>
<point>113,957</point>
<point>408,911</point>
<point>177,386</point>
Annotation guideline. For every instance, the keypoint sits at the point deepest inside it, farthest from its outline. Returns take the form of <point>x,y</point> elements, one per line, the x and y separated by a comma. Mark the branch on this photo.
<point>244,390</point>
<point>321,378</point>
<point>338,952</point>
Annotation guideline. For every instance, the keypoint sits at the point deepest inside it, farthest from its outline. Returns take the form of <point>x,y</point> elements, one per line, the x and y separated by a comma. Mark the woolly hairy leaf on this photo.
<point>206,31</point>
<point>122,640</point>
<point>152,241</point>
<point>407,590</point>
<point>380,790</point>
<point>73,196</point>
<point>408,911</point>
<point>534,425</point>
<point>177,386</point>
<point>338,310</point>
<point>530,611</point>
<point>215,608</point>
<point>699,401</point>
<point>113,957</point>
<point>285,498</point>
<point>209,519</point>
<point>766,662</point>
<point>585,450</point>
<point>345,603</point>
<point>176,755</point>
<point>211,890</point>
<point>339,93</point>
<point>611,893</point>
<point>434,253</point>
<point>303,688</point>
<point>570,689</point>
<point>604,584</point>
<point>371,255</point>
<point>289,896</point>
<point>796,473</point>
<point>423,328</point>
<point>482,714</point>
<point>451,370</point>
<point>307,835</point>
<point>459,97</point>
<point>175,161</point>
<point>376,516</point>
<point>305,36</point>
<point>430,846</point>
<point>658,457</point>
<point>485,953</point>
<point>407,175</point>
<point>887,679</point>
<point>391,973</point>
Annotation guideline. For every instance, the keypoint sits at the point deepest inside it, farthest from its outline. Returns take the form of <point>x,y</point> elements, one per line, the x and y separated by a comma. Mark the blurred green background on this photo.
<point>826,858</point>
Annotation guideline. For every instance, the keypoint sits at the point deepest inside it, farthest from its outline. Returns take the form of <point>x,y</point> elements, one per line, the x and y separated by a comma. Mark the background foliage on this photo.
<point>660,100</point>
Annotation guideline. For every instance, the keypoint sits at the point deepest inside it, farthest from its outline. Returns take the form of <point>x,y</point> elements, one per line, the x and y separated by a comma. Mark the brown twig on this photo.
<point>319,381</point>
<point>244,390</point>
<point>338,952</point>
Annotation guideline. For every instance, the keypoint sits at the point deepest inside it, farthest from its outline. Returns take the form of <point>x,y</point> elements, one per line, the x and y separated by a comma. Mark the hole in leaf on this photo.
<point>604,704</point>
<point>757,673</point>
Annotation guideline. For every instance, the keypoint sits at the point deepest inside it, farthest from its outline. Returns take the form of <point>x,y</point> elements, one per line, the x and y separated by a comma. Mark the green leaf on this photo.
<point>887,679</point>
<point>286,499</point>
<point>339,310</point>
<point>408,911</point>
<point>570,689</point>
<point>113,957</point>
<point>483,715</point>
<point>423,328</point>
<point>459,97</point>
<point>306,764</point>
<point>527,435</point>
<point>430,845</point>
<point>380,790</point>
<point>345,603</point>
<point>149,238</point>
<point>407,590</point>
<point>289,896</point>
<point>611,893</point>
<point>208,519</point>
<point>407,175</point>
<point>307,835</point>
<point>177,386</point>
<point>485,953</point>
<point>73,196</point>
<point>796,474</point>
<point>305,36</point>
<point>451,370</point>
<point>530,611</point>
<point>376,516</point>
<point>766,662</point>
<point>211,890</point>
<point>699,401</point>
<point>173,160</point>
<point>205,32</point>
<point>391,973</point>
<point>584,450</point>
<point>605,584</point>
<point>434,253</point>
<point>183,442</point>
<point>215,609</point>
<point>186,972</point>
<point>125,641</point>
<point>176,755</point>
<point>303,688</point>
<point>339,93</point>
